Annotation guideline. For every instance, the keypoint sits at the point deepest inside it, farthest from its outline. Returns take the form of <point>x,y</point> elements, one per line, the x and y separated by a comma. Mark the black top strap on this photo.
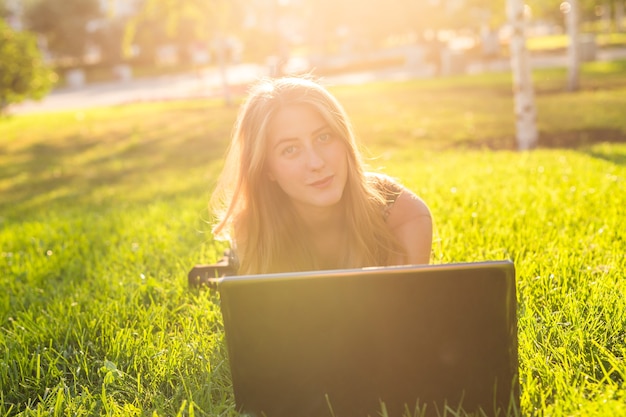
<point>389,189</point>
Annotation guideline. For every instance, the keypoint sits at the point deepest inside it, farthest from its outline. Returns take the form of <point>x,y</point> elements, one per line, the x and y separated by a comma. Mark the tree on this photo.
<point>184,23</point>
<point>523,90</point>
<point>571,10</point>
<point>109,37</point>
<point>64,24</point>
<point>4,10</point>
<point>589,10</point>
<point>23,73</point>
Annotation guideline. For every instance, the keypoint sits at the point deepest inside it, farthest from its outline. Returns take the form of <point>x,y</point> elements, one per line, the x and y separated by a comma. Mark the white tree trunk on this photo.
<point>573,51</point>
<point>606,16</point>
<point>523,90</point>
<point>220,44</point>
<point>619,16</point>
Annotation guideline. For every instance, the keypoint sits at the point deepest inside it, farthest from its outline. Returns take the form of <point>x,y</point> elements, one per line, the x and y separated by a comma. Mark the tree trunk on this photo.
<point>573,50</point>
<point>619,16</point>
<point>220,49</point>
<point>524,96</point>
<point>606,17</point>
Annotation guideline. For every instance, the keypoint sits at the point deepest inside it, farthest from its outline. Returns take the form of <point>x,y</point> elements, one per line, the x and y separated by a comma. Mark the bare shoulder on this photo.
<point>407,207</point>
<point>410,220</point>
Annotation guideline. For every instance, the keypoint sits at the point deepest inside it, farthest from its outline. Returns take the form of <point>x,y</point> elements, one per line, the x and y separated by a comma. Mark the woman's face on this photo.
<point>305,158</point>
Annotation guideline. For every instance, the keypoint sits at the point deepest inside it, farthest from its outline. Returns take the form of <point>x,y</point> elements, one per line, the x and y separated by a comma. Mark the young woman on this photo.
<point>294,195</point>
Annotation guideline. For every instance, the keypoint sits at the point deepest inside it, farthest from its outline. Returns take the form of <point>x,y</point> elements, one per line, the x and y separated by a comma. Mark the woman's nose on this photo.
<point>314,159</point>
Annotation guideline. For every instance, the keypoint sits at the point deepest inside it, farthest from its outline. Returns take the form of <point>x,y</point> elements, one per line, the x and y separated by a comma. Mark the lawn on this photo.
<point>103,212</point>
<point>553,43</point>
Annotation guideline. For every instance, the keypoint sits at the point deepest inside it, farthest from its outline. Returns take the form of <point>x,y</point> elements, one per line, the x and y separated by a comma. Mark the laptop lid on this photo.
<point>357,342</point>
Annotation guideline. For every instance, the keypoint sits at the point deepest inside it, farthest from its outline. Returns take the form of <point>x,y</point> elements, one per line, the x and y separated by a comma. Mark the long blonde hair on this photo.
<point>257,216</point>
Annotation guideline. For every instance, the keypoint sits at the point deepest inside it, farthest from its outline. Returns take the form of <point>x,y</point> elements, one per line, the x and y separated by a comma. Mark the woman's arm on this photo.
<point>411,222</point>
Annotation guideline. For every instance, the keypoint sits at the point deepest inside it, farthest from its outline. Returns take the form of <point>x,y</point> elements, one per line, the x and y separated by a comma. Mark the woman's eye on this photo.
<point>289,150</point>
<point>324,137</point>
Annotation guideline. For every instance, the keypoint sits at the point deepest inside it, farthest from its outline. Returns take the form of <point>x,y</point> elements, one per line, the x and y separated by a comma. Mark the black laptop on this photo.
<point>395,341</point>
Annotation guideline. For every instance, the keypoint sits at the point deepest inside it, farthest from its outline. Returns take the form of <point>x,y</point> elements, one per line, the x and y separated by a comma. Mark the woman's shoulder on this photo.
<point>410,220</point>
<point>407,216</point>
<point>402,203</point>
<point>408,206</point>
<point>382,179</point>
<point>389,188</point>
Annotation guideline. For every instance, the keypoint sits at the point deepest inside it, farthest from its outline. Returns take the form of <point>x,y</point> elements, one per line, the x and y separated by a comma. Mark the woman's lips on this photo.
<point>324,182</point>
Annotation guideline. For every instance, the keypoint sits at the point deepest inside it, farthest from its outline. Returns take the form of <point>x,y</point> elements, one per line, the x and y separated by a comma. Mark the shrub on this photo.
<point>23,74</point>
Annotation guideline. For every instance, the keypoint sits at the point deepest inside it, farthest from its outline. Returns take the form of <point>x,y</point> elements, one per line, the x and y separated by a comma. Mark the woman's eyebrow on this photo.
<point>313,133</point>
<point>319,129</point>
<point>283,140</point>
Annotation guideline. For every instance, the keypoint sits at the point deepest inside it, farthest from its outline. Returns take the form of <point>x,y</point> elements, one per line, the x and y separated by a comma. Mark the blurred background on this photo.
<point>90,41</point>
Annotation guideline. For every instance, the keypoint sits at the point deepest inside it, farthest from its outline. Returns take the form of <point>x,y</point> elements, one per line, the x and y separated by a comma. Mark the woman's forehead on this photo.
<point>295,120</point>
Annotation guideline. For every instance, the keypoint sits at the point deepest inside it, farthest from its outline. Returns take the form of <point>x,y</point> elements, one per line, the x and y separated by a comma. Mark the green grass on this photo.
<point>103,212</point>
<point>550,43</point>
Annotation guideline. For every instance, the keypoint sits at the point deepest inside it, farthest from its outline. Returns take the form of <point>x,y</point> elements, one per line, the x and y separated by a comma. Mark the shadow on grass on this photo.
<point>574,139</point>
<point>85,169</point>
<point>617,157</point>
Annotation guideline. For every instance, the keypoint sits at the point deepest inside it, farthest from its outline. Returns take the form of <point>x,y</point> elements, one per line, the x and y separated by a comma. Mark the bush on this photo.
<point>23,73</point>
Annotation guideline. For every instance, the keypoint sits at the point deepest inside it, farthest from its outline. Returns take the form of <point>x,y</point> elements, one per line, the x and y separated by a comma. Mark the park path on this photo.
<point>208,83</point>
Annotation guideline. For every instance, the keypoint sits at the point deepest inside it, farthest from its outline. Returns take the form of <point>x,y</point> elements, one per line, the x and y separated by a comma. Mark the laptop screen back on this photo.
<point>357,342</point>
